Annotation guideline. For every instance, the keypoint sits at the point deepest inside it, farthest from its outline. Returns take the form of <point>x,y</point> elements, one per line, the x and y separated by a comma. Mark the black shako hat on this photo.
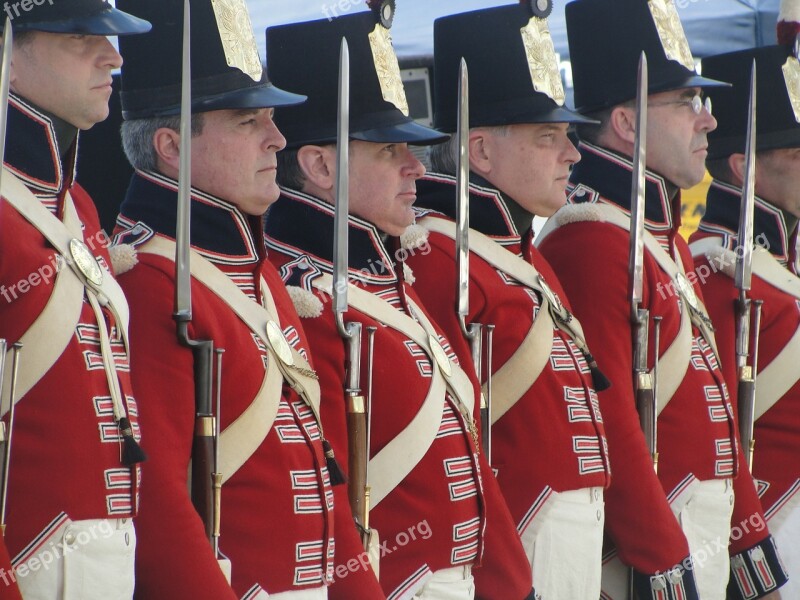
<point>226,68</point>
<point>90,17</point>
<point>777,100</point>
<point>606,38</point>
<point>513,70</point>
<point>305,57</point>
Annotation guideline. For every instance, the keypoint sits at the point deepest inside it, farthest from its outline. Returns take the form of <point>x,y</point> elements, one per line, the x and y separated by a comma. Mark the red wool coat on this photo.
<point>558,417</point>
<point>278,508</point>
<point>776,464</point>
<point>696,431</point>
<point>66,444</point>
<point>451,490</point>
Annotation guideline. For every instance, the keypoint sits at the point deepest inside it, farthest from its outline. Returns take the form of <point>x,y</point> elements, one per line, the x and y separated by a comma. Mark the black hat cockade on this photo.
<point>305,57</point>
<point>539,8</point>
<point>89,17</point>
<point>606,39</point>
<point>226,69</point>
<point>513,69</point>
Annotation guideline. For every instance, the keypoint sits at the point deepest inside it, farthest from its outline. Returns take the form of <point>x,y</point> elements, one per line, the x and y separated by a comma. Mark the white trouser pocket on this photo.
<point>82,560</point>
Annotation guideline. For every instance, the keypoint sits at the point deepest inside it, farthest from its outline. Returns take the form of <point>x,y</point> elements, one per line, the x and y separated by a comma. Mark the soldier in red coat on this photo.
<point>700,464</point>
<point>776,464</point>
<point>73,480</point>
<point>434,501</point>
<point>277,536</point>
<point>548,438</point>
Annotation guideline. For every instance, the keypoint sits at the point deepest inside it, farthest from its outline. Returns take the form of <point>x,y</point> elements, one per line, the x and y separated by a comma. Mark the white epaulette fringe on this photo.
<point>307,305</point>
<point>415,236</point>
<point>408,275</point>
<point>575,213</point>
<point>123,258</point>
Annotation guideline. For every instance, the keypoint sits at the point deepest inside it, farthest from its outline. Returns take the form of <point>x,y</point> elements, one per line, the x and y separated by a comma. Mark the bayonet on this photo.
<point>746,393</point>
<point>640,317</point>
<point>202,350</point>
<point>358,450</point>
<point>5,430</point>
<point>5,79</point>
<point>472,332</point>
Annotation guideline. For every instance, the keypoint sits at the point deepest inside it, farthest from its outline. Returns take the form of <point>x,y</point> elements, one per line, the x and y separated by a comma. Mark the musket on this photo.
<point>202,350</point>
<point>640,317</point>
<point>472,332</point>
<point>358,452</point>
<point>370,363</point>
<point>742,281</point>
<point>217,474</point>
<point>8,431</point>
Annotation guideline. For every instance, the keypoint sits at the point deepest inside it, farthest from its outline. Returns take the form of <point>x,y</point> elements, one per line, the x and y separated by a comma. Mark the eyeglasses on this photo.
<point>696,104</point>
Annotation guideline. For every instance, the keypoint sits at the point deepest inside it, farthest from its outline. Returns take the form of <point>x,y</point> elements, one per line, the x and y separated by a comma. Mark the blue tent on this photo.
<point>712,26</point>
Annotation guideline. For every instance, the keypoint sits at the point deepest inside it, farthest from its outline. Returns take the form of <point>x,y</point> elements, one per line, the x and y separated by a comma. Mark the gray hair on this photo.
<point>290,174</point>
<point>444,156</point>
<point>137,138</point>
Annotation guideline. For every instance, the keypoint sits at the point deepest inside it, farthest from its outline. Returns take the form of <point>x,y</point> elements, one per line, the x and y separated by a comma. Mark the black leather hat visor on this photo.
<point>107,21</point>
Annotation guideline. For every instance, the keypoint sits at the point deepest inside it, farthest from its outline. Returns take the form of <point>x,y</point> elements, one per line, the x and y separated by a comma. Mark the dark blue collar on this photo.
<point>488,207</point>
<point>220,231</point>
<point>32,150</point>
<point>301,225</point>
<point>604,176</point>
<point>769,224</point>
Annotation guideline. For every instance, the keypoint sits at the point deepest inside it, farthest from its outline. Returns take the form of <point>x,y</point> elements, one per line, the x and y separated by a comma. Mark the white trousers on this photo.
<point>320,593</point>
<point>82,560</point>
<point>564,543</point>
<point>704,511</point>
<point>455,583</point>
<point>705,518</point>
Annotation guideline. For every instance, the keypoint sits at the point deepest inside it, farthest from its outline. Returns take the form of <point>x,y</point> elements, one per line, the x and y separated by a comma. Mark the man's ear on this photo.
<point>167,144</point>
<point>622,122</point>
<point>480,151</point>
<point>736,163</point>
<point>318,166</point>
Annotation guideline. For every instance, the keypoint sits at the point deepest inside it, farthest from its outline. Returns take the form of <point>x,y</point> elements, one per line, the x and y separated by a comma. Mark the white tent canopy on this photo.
<point>712,26</point>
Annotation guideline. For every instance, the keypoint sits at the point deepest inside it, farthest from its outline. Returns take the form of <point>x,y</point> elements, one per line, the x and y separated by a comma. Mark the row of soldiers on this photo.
<point>515,468</point>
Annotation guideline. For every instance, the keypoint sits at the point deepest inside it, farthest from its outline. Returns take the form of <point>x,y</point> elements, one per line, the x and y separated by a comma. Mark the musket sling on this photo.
<point>781,374</point>
<point>399,457</point>
<point>674,363</point>
<point>521,370</point>
<point>50,334</point>
<point>244,435</point>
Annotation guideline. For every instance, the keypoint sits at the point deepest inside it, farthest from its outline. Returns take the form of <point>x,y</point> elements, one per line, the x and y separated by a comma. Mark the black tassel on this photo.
<point>132,453</point>
<point>337,475</point>
<point>599,380</point>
